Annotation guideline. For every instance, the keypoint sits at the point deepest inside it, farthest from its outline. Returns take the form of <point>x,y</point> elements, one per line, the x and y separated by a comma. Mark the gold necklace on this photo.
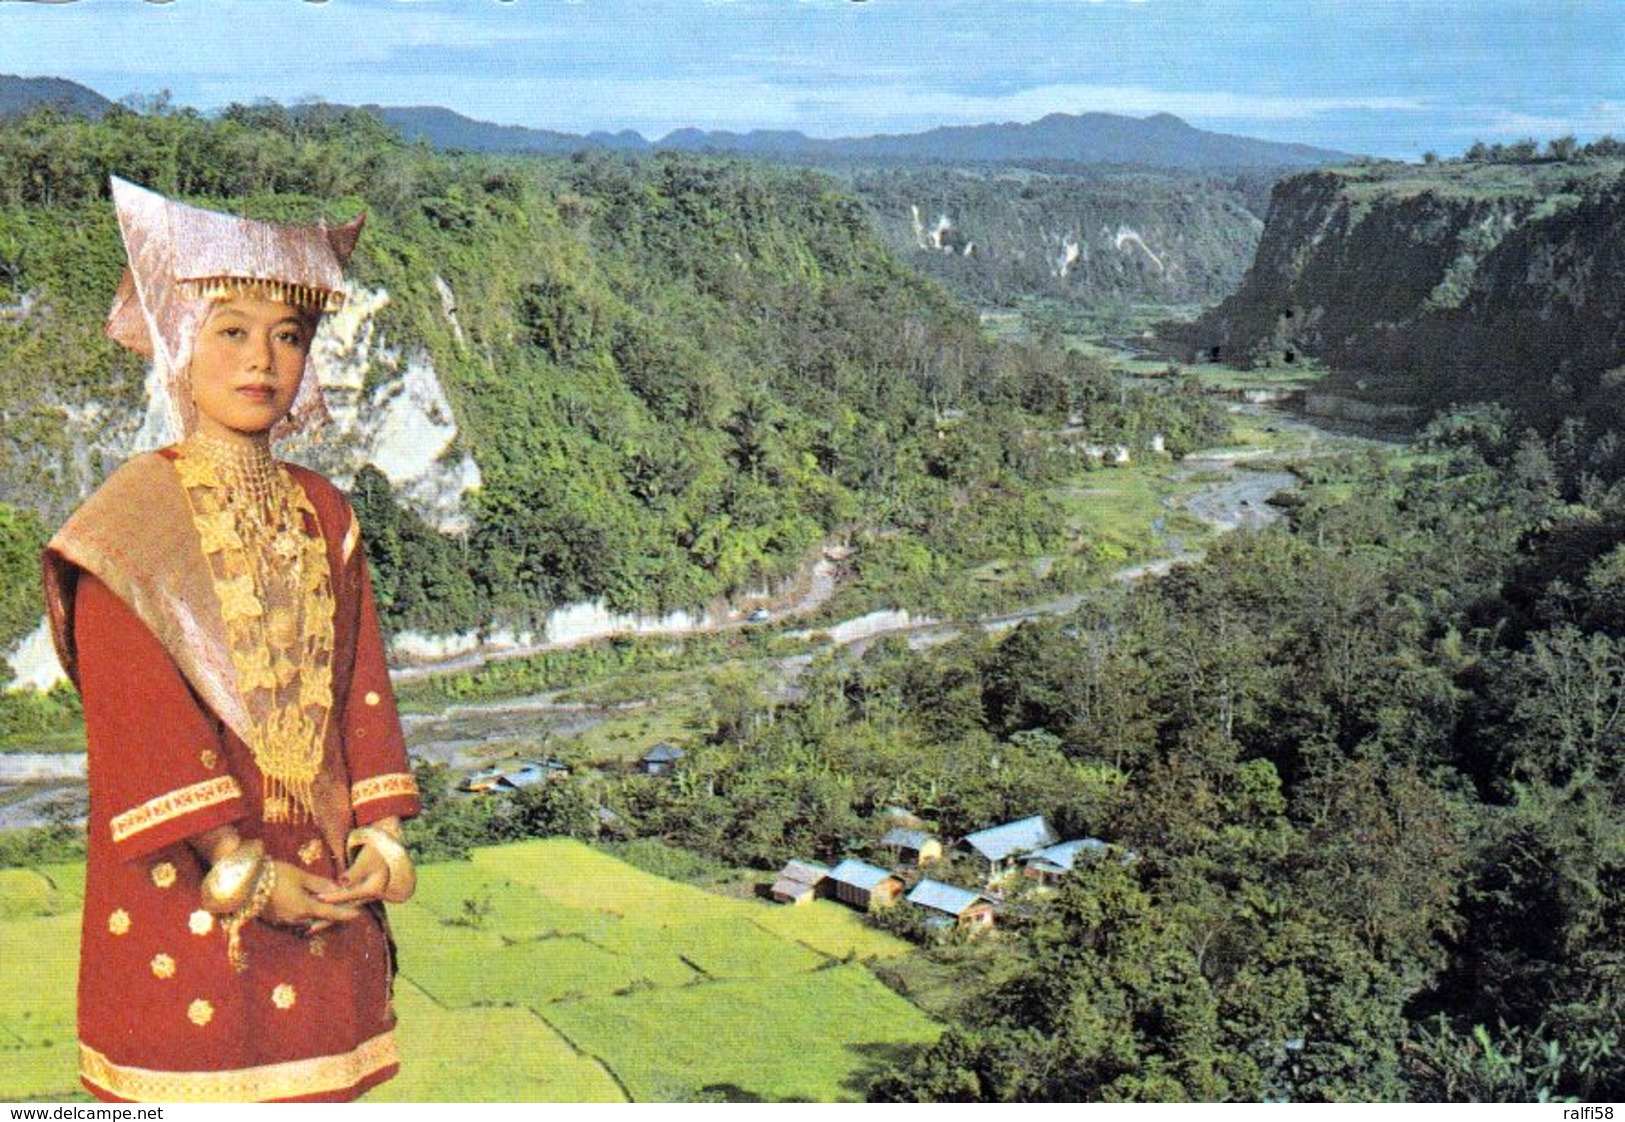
<point>259,533</point>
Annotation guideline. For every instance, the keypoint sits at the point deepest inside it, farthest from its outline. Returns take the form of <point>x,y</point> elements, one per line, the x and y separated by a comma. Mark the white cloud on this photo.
<point>1602,116</point>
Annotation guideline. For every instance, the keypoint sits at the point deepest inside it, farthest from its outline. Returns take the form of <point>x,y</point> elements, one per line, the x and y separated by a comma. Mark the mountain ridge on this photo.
<point>1159,140</point>
<point>20,95</point>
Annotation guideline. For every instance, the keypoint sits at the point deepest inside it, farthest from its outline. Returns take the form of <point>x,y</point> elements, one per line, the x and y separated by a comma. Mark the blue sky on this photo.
<point>1386,77</point>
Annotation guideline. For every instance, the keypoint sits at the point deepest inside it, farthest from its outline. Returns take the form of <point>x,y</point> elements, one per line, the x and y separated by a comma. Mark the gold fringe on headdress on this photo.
<point>283,292</point>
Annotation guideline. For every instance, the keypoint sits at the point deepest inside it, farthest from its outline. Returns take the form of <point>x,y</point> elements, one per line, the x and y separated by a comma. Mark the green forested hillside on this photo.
<point>1360,776</point>
<point>1361,772</point>
<point>676,374</point>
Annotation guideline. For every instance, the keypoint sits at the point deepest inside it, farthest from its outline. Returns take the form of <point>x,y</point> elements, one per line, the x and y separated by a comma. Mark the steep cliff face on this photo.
<point>389,410</point>
<point>1426,286</point>
<point>403,424</point>
<point>1101,239</point>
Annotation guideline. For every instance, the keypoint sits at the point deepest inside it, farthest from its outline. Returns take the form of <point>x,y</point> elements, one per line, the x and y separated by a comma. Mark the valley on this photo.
<point>1343,707</point>
<point>1133,520</point>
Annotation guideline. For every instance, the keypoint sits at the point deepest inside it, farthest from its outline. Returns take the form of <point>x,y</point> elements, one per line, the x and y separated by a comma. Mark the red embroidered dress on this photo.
<point>191,727</point>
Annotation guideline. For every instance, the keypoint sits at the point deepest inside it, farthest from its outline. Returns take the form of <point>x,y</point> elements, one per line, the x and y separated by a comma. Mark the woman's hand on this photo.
<point>363,882</point>
<point>381,869</point>
<point>301,899</point>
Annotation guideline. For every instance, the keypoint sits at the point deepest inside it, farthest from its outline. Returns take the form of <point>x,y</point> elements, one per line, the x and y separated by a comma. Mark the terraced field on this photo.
<point>547,971</point>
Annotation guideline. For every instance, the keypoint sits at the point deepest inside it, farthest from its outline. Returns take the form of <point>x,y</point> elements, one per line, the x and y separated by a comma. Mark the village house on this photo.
<point>799,882</point>
<point>1050,864</point>
<point>948,906</point>
<point>1003,847</point>
<point>662,759</point>
<point>512,778</point>
<point>911,846</point>
<point>863,885</point>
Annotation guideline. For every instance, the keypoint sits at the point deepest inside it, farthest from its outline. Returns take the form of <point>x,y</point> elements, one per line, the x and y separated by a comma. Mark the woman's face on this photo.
<point>247,364</point>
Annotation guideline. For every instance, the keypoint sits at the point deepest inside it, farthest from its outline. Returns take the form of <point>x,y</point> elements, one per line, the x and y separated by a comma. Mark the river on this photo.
<point>39,787</point>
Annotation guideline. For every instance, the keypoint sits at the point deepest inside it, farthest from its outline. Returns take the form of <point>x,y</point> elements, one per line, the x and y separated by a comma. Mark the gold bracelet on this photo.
<point>233,878</point>
<point>234,923</point>
<point>403,879</point>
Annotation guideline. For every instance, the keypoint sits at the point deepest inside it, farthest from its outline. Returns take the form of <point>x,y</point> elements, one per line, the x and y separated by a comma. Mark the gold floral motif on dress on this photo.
<point>163,966</point>
<point>118,922</point>
<point>163,874</point>
<point>283,996</point>
<point>311,851</point>
<point>260,535</point>
<point>200,922</point>
<point>239,599</point>
<point>200,1012</point>
<point>254,672</point>
<point>218,533</point>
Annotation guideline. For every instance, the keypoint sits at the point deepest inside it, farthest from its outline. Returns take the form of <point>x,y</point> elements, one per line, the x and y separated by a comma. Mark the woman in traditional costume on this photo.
<point>247,770</point>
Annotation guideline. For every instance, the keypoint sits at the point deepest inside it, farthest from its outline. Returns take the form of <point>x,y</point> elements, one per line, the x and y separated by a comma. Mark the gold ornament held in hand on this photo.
<point>230,883</point>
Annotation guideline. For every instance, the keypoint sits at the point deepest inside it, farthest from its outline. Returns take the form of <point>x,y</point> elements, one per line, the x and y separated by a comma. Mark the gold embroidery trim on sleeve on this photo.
<point>174,804</point>
<point>253,1084</point>
<point>392,785</point>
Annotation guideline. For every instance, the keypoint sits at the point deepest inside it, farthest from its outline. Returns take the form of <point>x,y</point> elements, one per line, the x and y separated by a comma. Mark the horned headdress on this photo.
<point>183,257</point>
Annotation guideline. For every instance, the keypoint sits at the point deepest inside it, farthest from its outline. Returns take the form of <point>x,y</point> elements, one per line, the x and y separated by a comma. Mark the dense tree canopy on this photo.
<point>677,375</point>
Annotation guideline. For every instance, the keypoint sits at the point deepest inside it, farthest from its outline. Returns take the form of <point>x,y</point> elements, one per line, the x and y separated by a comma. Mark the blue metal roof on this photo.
<point>942,897</point>
<point>1061,858</point>
<point>663,753</point>
<point>998,842</point>
<point>533,771</point>
<point>859,874</point>
<point>525,774</point>
<point>908,839</point>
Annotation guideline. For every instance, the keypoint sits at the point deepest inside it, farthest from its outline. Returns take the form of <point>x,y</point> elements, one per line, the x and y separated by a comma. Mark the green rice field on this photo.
<point>547,971</point>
